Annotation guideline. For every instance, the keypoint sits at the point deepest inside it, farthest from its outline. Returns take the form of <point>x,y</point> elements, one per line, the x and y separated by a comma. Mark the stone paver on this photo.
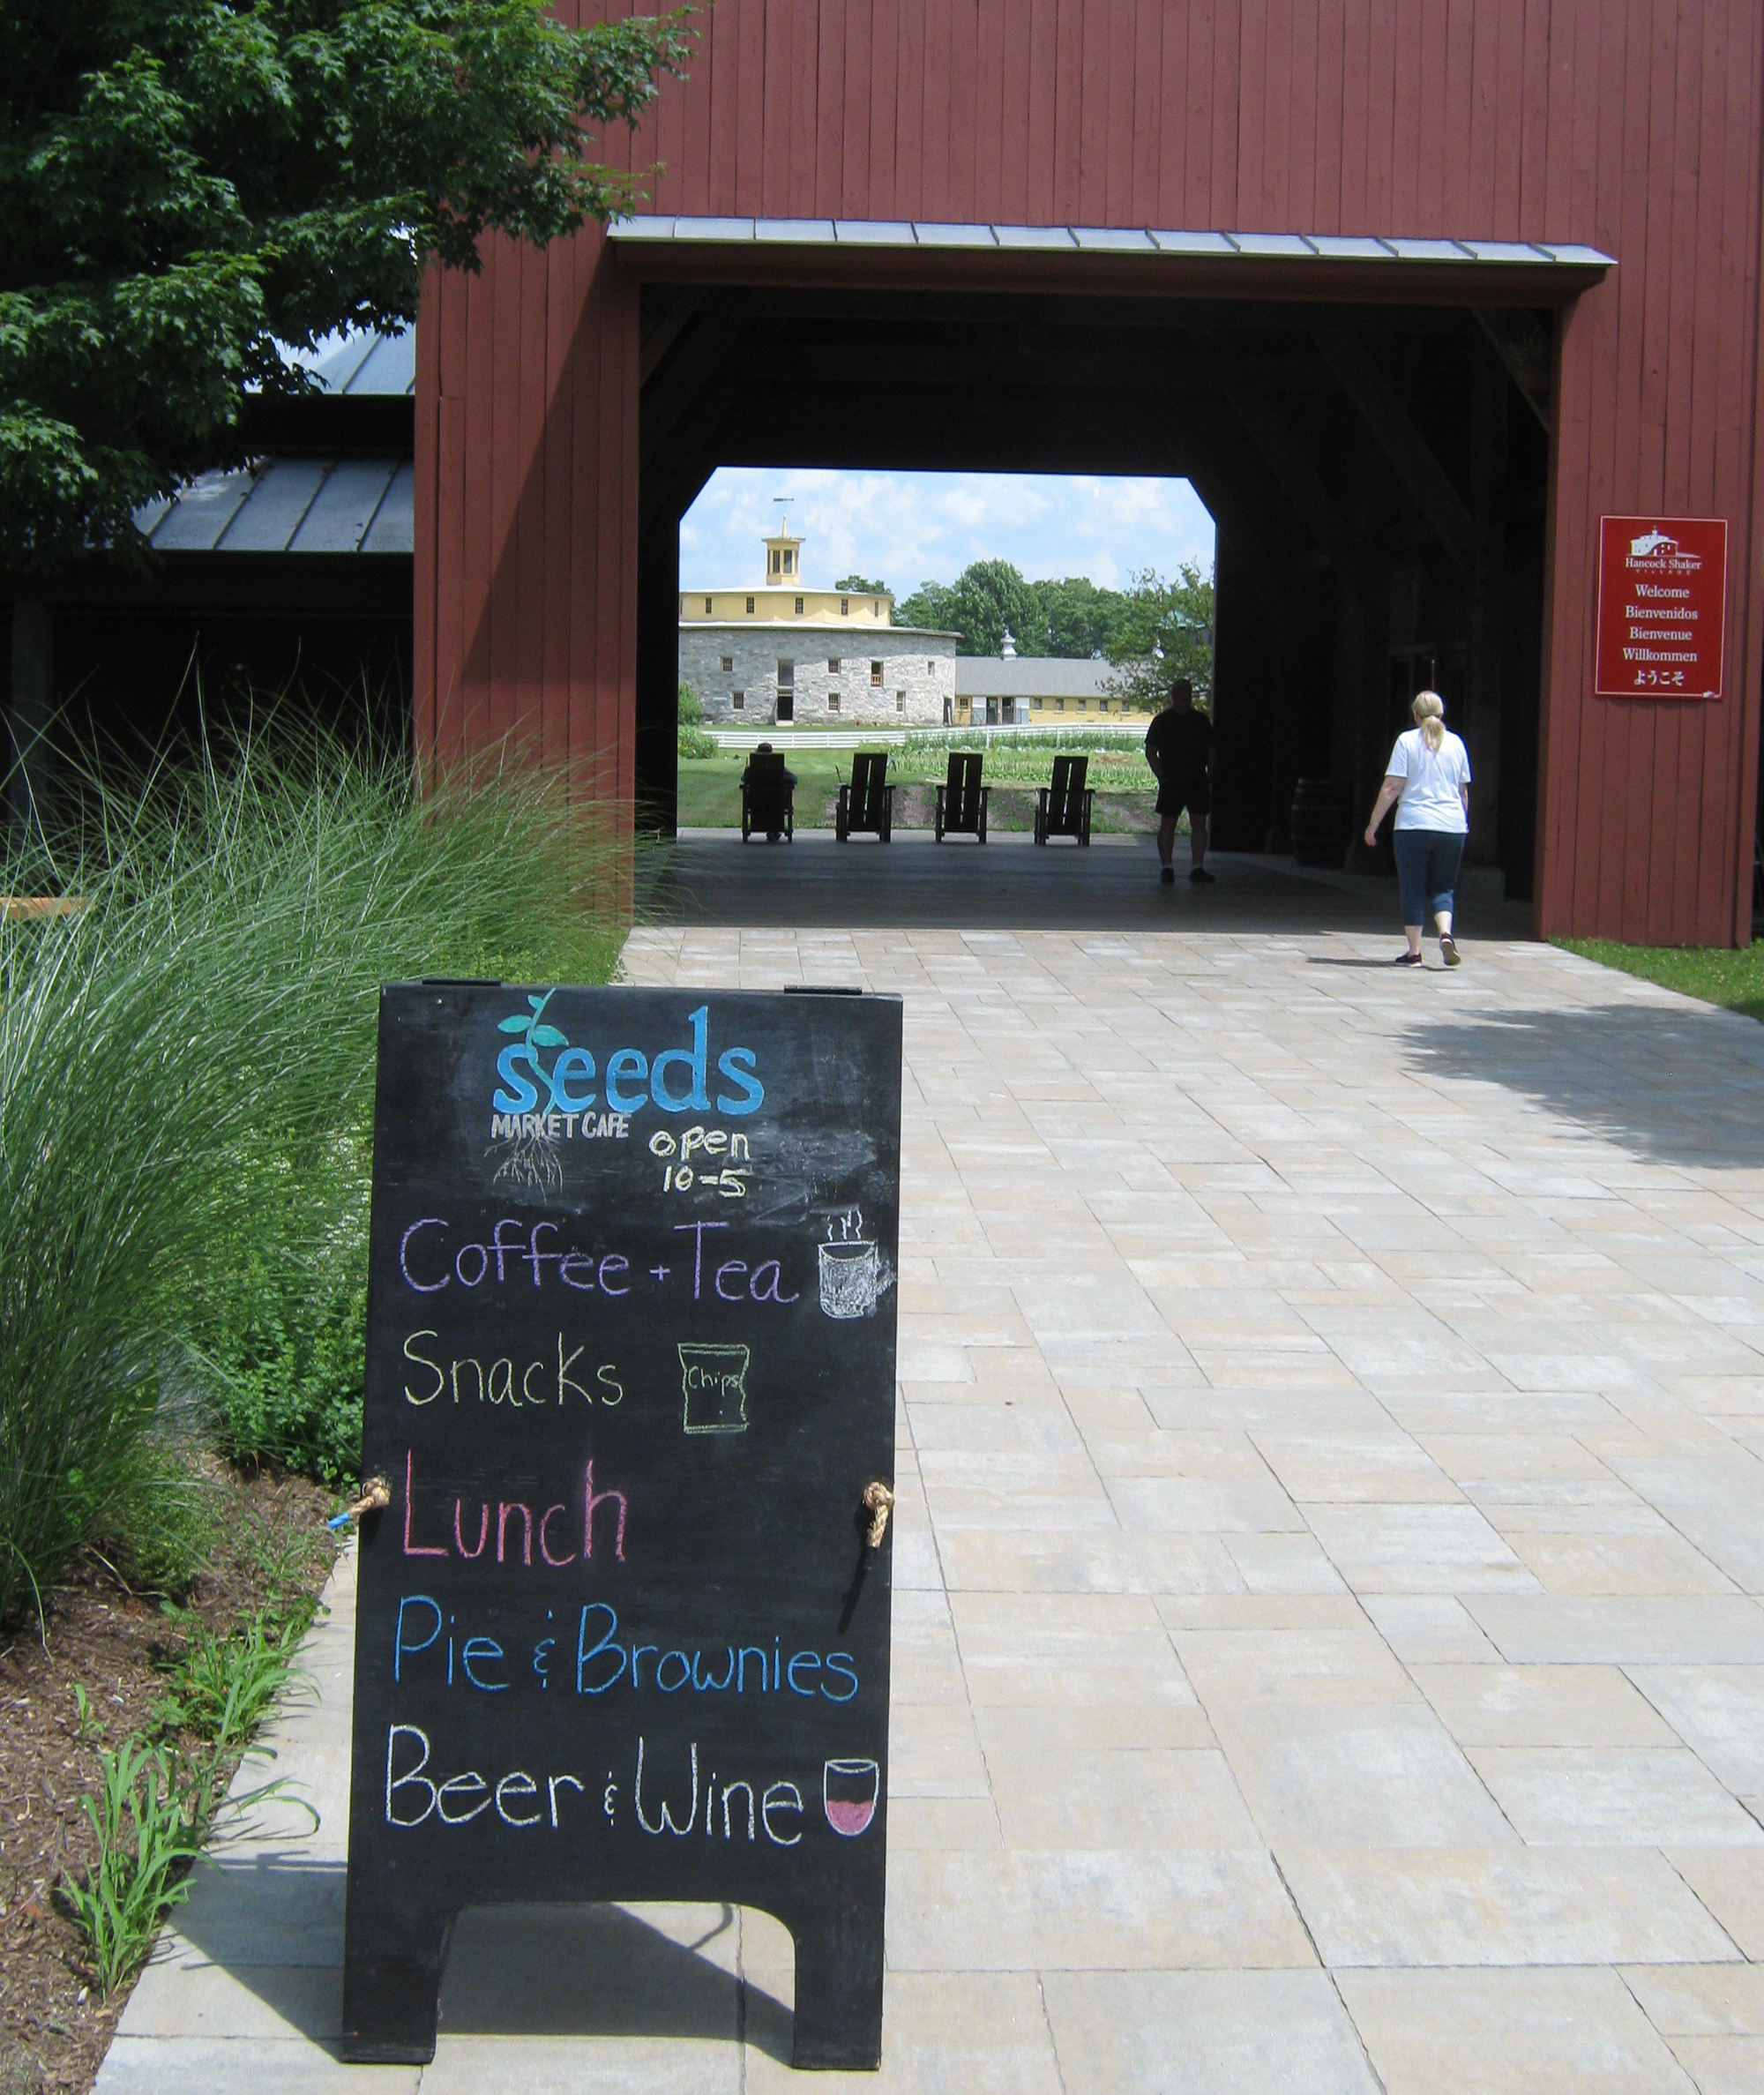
<point>1328,1645</point>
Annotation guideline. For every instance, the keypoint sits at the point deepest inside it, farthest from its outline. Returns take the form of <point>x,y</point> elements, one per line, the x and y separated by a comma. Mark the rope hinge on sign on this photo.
<point>880,1502</point>
<point>375,1495</point>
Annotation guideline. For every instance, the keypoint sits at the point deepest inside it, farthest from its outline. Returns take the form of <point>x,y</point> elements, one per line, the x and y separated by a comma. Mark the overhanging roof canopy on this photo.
<point>1473,272</point>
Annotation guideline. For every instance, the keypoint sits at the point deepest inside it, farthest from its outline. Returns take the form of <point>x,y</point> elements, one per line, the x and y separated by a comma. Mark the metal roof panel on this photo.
<point>1036,239</point>
<point>389,368</point>
<point>343,508</point>
<point>201,512</point>
<point>271,514</point>
<point>393,529</point>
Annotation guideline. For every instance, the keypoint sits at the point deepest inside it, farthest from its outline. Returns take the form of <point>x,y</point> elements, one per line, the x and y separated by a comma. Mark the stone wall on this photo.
<point>917,685</point>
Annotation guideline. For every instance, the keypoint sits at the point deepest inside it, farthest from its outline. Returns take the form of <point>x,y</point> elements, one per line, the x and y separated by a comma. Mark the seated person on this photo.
<point>764,749</point>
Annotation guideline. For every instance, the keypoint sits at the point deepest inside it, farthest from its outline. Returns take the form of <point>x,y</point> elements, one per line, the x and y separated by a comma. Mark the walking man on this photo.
<point>1179,750</point>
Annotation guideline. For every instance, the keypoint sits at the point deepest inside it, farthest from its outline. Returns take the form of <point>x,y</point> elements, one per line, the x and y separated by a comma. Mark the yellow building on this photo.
<point>781,600</point>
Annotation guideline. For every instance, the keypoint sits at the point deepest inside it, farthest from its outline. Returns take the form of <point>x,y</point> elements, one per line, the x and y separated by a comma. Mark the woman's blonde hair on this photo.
<point>1429,716</point>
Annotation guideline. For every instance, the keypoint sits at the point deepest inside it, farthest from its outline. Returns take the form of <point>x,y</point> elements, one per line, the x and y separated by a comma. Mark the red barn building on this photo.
<point>1414,291</point>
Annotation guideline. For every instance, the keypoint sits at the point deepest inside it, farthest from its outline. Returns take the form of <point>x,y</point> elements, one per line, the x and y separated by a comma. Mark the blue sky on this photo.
<point>905,528</point>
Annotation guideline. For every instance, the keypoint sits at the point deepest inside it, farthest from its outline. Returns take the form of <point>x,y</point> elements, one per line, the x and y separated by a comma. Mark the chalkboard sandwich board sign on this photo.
<point>623,1627</point>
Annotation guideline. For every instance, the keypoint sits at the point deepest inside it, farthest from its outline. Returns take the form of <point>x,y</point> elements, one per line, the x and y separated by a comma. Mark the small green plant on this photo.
<point>697,742</point>
<point>222,1687</point>
<point>149,1817</point>
<point>692,708</point>
<point>89,1729</point>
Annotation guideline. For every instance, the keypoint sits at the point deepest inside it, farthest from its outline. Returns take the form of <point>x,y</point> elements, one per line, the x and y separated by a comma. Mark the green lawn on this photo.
<point>1717,974</point>
<point>710,787</point>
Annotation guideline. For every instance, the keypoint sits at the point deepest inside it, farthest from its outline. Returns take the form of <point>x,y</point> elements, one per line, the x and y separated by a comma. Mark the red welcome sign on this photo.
<point>1661,607</point>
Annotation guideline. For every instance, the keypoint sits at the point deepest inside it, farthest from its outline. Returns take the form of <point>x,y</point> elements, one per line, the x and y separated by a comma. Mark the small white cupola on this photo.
<point>1007,647</point>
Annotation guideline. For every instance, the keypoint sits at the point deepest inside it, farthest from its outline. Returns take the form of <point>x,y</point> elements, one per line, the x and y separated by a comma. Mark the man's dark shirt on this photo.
<point>1178,744</point>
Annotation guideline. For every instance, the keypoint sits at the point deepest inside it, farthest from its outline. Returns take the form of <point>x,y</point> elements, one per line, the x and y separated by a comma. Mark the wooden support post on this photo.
<point>1485,692</point>
<point>1408,451</point>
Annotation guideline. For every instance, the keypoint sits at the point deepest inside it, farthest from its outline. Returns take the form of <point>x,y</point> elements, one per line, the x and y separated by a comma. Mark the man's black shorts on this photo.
<point>1194,794</point>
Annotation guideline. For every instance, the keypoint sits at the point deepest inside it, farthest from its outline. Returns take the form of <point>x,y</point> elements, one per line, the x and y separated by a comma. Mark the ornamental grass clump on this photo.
<point>185,1095</point>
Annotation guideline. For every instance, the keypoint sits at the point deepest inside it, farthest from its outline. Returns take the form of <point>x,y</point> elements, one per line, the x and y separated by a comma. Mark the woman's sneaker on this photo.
<point>1449,953</point>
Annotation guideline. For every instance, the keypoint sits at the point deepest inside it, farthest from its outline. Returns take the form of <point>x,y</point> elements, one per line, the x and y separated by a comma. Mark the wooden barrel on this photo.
<point>1319,821</point>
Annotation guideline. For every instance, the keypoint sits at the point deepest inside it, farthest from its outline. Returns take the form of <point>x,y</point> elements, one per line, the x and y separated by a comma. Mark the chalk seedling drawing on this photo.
<point>851,1267</point>
<point>530,1159</point>
<point>714,1381</point>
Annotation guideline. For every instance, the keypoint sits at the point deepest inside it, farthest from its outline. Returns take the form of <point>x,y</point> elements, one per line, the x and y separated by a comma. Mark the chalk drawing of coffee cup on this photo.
<point>713,1380</point>
<point>849,1795</point>
<point>851,1267</point>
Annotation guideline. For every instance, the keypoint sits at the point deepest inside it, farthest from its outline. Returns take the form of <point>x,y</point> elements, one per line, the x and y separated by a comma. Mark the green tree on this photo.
<point>932,605</point>
<point>1081,617</point>
<point>1166,632</point>
<point>859,587</point>
<point>987,598</point>
<point>185,183</point>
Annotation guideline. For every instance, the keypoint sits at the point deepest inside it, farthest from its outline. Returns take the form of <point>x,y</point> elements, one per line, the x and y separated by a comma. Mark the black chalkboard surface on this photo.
<point>622,1633</point>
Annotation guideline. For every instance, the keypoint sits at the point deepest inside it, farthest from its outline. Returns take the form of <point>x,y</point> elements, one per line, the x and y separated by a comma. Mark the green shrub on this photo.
<point>692,711</point>
<point>185,1091</point>
<point>697,742</point>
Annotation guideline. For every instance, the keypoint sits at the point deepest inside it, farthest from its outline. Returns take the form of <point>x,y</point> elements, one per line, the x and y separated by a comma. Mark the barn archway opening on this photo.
<point>1378,474</point>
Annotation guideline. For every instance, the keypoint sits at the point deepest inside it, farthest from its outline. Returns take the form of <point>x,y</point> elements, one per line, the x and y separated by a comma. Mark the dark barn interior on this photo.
<point>1377,474</point>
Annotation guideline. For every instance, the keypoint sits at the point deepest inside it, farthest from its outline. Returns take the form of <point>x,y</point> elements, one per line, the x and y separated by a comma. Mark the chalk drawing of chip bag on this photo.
<point>713,1380</point>
<point>852,1275</point>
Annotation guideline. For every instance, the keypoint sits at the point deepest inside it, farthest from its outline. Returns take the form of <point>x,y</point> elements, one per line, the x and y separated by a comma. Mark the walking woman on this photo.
<point>1429,778</point>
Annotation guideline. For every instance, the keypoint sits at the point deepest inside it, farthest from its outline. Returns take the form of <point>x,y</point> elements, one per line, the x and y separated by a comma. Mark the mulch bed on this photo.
<point>53,2028</point>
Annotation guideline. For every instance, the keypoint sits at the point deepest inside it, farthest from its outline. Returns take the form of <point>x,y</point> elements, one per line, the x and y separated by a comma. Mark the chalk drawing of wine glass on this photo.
<point>849,1790</point>
<point>850,1272</point>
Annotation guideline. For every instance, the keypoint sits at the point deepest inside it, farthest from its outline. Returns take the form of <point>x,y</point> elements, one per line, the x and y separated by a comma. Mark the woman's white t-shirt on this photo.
<point>1431,782</point>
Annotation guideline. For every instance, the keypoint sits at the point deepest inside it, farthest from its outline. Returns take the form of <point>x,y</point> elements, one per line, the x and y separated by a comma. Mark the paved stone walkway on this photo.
<point>1328,1655</point>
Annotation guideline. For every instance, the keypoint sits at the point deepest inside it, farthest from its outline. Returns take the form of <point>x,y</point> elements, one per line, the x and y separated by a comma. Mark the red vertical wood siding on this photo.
<point>1633,125</point>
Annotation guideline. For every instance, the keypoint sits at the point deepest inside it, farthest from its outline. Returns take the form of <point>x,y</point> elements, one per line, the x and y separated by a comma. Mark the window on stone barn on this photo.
<point>900,701</point>
<point>832,665</point>
<point>832,701</point>
<point>876,674</point>
<point>707,607</point>
<point>787,673</point>
<point>774,563</point>
<point>728,664</point>
<point>845,607</point>
<point>750,607</point>
<point>1059,705</point>
<point>739,699</point>
<point>878,607</point>
<point>1084,705</point>
<point>799,607</point>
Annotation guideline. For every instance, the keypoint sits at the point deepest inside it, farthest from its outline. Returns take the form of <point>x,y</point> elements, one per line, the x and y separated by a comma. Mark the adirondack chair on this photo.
<point>961,800</point>
<point>768,798</point>
<point>1063,809</point>
<point>867,805</point>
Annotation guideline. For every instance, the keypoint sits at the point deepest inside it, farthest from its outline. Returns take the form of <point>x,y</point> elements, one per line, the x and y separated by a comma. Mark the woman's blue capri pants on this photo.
<point>1427,865</point>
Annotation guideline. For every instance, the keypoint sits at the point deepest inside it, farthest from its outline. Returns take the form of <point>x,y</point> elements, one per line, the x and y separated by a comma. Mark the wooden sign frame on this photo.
<point>623,1625</point>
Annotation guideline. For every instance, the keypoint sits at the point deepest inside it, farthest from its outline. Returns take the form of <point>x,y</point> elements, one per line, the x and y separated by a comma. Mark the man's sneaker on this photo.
<point>1168,876</point>
<point>1449,953</point>
<point>1200,877</point>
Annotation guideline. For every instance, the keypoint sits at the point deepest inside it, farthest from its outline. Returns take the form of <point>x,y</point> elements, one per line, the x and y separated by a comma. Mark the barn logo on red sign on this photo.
<point>1661,607</point>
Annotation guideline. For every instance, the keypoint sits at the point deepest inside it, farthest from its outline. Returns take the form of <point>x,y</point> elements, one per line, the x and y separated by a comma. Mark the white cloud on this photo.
<point>908,527</point>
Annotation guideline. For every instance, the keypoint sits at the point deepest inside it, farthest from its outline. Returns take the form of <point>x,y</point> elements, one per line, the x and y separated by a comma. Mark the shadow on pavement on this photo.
<point>275,1925</point>
<point>709,877</point>
<point>1674,1084</point>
